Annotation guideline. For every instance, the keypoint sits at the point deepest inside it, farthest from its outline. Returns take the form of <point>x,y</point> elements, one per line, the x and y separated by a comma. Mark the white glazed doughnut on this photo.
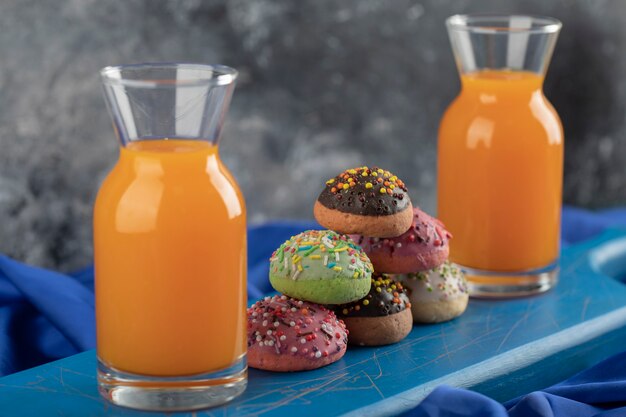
<point>437,295</point>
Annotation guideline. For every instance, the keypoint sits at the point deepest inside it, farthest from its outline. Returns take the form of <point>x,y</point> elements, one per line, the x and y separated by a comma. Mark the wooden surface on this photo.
<point>501,348</point>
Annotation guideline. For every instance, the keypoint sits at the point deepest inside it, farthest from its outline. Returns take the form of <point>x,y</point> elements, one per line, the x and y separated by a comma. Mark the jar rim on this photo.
<point>500,24</point>
<point>150,75</point>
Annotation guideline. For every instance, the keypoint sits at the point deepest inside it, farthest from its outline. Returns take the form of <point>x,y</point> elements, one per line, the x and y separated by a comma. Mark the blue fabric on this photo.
<point>579,224</point>
<point>46,315</point>
<point>599,391</point>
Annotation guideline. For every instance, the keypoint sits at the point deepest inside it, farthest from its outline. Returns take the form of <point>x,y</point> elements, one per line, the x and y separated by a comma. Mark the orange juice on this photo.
<point>500,172</point>
<point>170,259</point>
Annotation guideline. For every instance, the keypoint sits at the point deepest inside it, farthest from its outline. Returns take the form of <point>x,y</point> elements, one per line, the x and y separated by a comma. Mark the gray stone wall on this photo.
<point>325,84</point>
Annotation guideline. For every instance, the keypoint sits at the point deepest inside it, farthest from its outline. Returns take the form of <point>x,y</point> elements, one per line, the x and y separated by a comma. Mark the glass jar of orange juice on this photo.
<point>500,156</point>
<point>170,243</point>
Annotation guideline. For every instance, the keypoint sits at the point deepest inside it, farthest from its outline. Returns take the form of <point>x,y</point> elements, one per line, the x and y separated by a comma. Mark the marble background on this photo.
<point>325,84</point>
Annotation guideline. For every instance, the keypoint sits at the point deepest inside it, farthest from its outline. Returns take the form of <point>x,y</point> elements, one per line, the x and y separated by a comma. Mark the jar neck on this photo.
<point>158,157</point>
<point>490,86</point>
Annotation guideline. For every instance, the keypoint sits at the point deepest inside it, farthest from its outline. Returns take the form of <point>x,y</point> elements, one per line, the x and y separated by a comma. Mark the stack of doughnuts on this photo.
<point>404,243</point>
<point>380,266</point>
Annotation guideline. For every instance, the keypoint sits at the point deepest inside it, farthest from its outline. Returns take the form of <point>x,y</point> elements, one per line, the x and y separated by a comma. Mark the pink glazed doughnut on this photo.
<point>285,335</point>
<point>424,246</point>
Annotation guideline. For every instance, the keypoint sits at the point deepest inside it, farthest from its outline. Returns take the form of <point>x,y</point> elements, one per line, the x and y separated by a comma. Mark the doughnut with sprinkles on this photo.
<point>437,295</point>
<point>285,335</point>
<point>424,246</point>
<point>321,266</point>
<point>382,317</point>
<point>365,201</point>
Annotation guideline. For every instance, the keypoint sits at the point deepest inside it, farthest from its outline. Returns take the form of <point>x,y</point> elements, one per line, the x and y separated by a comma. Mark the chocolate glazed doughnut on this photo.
<point>365,201</point>
<point>382,317</point>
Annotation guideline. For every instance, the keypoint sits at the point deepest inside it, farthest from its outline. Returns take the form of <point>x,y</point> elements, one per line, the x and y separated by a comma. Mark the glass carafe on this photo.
<point>500,156</point>
<point>170,243</point>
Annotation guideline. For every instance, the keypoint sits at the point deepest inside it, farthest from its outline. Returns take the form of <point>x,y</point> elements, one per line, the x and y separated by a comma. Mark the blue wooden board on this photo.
<point>500,348</point>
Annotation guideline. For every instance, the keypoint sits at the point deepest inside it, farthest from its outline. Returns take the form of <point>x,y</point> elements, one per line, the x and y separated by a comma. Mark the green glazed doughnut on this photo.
<point>322,267</point>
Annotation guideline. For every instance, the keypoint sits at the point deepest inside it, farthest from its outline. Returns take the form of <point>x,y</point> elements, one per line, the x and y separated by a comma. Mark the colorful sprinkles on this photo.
<point>447,280</point>
<point>385,297</point>
<point>324,246</point>
<point>284,325</point>
<point>365,190</point>
<point>381,177</point>
<point>425,230</point>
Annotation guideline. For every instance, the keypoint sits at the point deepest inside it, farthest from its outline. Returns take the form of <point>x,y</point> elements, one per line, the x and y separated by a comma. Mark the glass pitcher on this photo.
<point>170,243</point>
<point>500,156</point>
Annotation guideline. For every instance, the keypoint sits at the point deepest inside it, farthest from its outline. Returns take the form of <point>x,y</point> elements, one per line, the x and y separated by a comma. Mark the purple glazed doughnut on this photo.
<point>285,335</point>
<point>424,246</point>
